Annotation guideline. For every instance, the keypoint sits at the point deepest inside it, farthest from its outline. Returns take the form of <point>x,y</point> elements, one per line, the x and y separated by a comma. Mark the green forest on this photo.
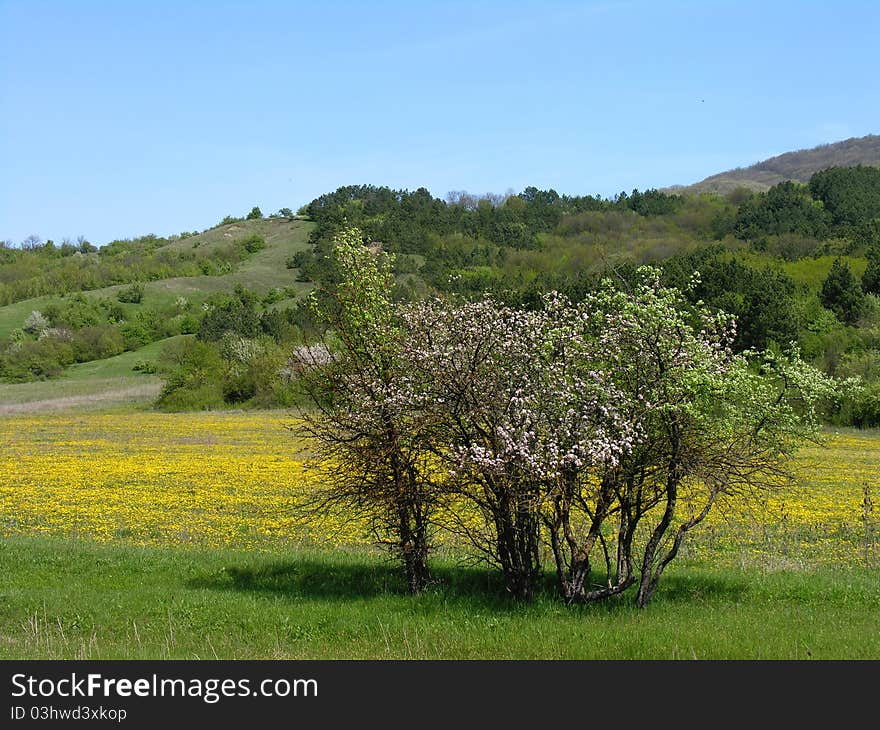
<point>227,308</point>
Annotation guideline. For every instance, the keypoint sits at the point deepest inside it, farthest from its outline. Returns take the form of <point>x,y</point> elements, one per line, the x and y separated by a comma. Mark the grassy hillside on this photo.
<point>111,382</point>
<point>798,165</point>
<point>261,272</point>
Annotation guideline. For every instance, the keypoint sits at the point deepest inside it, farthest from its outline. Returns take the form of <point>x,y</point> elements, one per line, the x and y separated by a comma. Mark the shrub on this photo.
<point>842,293</point>
<point>253,243</point>
<point>131,294</point>
<point>146,367</point>
<point>97,343</point>
<point>39,360</point>
<point>195,378</point>
<point>35,323</point>
<point>871,277</point>
<point>236,314</point>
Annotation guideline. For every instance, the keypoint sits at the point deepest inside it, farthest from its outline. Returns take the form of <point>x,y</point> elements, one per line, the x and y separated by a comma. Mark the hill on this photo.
<point>799,165</point>
<point>111,381</point>
<point>213,320</point>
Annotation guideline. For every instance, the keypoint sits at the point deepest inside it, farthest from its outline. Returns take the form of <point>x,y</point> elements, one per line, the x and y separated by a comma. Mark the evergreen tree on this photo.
<point>871,277</point>
<point>842,293</point>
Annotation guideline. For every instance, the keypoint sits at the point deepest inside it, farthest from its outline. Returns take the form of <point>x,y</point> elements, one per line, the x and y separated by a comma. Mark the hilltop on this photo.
<point>799,165</point>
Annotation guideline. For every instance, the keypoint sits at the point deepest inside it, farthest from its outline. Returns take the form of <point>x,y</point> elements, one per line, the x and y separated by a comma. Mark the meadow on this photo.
<point>135,534</point>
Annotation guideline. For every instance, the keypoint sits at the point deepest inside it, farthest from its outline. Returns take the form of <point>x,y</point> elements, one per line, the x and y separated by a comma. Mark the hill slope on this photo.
<point>111,381</point>
<point>262,271</point>
<point>799,165</point>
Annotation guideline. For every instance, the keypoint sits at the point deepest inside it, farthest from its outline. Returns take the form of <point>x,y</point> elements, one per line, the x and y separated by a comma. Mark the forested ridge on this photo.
<point>798,265</point>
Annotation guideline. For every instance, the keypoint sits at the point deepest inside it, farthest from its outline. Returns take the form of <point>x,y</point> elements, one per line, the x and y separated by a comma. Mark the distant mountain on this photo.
<point>799,165</point>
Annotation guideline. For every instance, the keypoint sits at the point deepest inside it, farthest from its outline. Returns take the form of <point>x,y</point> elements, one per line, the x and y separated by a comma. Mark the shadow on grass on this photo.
<point>694,587</point>
<point>316,579</point>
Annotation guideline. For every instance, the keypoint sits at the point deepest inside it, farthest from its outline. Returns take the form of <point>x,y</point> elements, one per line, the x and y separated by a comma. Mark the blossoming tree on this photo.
<point>595,435</point>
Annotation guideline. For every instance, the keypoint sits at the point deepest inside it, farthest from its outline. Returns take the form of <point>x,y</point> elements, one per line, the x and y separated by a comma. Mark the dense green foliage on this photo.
<point>238,356</point>
<point>80,329</point>
<point>765,257</point>
<point>842,293</point>
<point>49,269</point>
<point>475,230</point>
<point>851,195</point>
<point>785,208</point>
<point>762,300</point>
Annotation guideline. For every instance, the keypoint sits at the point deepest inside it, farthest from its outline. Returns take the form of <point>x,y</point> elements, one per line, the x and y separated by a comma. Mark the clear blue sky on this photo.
<point>124,118</point>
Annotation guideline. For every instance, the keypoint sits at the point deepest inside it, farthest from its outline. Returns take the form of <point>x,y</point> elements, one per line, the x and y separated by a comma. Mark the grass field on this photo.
<point>99,384</point>
<point>68,599</point>
<point>136,534</point>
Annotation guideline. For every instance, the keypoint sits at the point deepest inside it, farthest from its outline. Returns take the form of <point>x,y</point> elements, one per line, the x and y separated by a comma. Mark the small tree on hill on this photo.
<point>255,214</point>
<point>35,323</point>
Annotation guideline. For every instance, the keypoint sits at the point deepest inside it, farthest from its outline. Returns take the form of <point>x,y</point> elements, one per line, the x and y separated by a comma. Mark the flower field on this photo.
<point>236,480</point>
<point>819,519</point>
<point>210,480</point>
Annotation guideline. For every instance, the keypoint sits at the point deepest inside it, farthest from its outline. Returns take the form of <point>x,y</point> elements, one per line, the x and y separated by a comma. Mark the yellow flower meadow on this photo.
<point>238,479</point>
<point>196,479</point>
<point>818,519</point>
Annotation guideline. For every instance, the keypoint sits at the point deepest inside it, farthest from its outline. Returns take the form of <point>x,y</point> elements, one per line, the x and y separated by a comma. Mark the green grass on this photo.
<point>814,271</point>
<point>12,316</point>
<point>73,599</point>
<point>100,383</point>
<point>810,271</point>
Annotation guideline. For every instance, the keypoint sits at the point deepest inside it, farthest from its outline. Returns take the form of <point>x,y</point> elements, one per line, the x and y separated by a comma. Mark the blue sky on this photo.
<point>124,118</point>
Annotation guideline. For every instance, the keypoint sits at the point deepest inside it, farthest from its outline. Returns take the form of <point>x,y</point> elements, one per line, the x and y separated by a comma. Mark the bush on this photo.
<point>842,293</point>
<point>131,294</point>
<point>860,409</point>
<point>35,323</point>
<point>235,314</point>
<point>29,360</point>
<point>97,343</point>
<point>192,397</point>
<point>871,277</point>
<point>253,243</point>
<point>195,378</point>
<point>146,367</point>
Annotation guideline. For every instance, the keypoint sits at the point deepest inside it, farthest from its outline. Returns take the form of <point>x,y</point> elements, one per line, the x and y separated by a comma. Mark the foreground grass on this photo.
<point>62,598</point>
